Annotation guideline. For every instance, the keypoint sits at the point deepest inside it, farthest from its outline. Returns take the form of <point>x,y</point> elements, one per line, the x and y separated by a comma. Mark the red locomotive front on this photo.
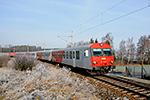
<point>102,57</point>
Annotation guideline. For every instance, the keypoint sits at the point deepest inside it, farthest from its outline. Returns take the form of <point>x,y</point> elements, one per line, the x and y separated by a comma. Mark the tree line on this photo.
<point>22,48</point>
<point>130,53</point>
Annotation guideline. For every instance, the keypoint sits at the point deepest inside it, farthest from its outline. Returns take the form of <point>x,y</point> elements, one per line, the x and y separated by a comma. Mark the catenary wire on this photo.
<point>112,20</point>
<point>95,16</point>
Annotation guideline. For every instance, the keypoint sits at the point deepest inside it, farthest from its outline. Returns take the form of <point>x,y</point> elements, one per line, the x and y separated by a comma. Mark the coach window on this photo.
<point>77,55</point>
<point>86,53</point>
<point>64,54</point>
<point>61,54</point>
<point>70,54</point>
<point>73,54</point>
<point>67,54</point>
<point>33,54</point>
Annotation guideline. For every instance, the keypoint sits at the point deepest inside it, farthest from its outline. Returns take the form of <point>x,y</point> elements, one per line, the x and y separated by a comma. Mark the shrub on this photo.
<point>3,60</point>
<point>24,62</point>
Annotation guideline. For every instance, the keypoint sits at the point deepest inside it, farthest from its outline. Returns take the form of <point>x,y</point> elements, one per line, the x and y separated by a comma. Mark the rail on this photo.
<point>132,87</point>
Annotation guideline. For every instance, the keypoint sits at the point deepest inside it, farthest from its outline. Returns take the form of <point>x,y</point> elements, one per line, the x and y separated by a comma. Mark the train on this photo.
<point>96,58</point>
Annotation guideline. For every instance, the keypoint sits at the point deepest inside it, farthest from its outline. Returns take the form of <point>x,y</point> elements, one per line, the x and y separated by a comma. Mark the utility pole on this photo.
<point>67,40</point>
<point>0,48</point>
<point>71,38</point>
<point>27,48</point>
<point>14,49</point>
<point>44,45</point>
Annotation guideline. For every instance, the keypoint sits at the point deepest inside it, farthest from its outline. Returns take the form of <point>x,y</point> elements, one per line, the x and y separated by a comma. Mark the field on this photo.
<point>135,70</point>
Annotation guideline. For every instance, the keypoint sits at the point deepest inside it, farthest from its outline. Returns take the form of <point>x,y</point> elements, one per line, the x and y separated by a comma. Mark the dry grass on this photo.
<point>3,60</point>
<point>49,83</point>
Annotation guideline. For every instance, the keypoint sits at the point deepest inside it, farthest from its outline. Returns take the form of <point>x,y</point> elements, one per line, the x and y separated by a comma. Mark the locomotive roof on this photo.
<point>93,45</point>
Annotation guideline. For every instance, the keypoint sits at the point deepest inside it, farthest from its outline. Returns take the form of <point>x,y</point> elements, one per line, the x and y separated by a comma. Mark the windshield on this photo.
<point>102,52</point>
<point>107,52</point>
<point>97,52</point>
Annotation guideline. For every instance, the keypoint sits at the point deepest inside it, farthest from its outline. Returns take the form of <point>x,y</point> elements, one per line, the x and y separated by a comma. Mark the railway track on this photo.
<point>125,87</point>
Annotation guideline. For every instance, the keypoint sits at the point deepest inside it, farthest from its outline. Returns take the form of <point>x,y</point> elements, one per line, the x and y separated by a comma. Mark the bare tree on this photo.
<point>108,39</point>
<point>122,51</point>
<point>130,49</point>
<point>10,46</point>
<point>91,40</point>
<point>148,49</point>
<point>142,47</point>
<point>68,45</point>
<point>78,43</point>
<point>96,41</point>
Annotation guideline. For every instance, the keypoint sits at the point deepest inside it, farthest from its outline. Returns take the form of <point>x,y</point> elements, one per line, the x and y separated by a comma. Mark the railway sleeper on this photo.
<point>132,86</point>
<point>120,90</point>
<point>125,92</point>
<point>140,90</point>
<point>142,98</point>
<point>136,88</point>
<point>136,96</point>
<point>128,87</point>
<point>144,92</point>
<point>148,91</point>
<point>112,87</point>
<point>108,85</point>
<point>116,88</point>
<point>130,95</point>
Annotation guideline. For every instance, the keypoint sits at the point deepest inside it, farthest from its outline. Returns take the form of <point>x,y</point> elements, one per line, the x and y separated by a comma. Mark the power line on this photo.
<point>64,39</point>
<point>94,17</point>
<point>113,19</point>
<point>102,12</point>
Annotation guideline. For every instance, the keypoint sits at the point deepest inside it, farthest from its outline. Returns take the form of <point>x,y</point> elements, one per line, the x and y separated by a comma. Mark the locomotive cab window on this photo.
<point>102,52</point>
<point>97,52</point>
<point>107,52</point>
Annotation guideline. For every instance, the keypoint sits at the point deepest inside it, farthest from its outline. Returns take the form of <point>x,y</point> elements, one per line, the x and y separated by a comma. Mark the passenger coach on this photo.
<point>95,58</point>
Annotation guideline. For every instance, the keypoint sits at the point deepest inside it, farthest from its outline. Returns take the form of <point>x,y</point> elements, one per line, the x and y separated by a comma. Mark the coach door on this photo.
<point>74,58</point>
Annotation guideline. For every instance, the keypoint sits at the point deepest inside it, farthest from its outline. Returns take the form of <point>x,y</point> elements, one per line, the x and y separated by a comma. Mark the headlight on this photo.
<point>101,44</point>
<point>94,62</point>
<point>111,61</point>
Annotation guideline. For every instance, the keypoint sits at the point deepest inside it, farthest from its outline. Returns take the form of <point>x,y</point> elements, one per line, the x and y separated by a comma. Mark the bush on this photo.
<point>3,60</point>
<point>24,62</point>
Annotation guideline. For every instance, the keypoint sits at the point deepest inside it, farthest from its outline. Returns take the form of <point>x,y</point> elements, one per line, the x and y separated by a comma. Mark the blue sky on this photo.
<point>31,22</point>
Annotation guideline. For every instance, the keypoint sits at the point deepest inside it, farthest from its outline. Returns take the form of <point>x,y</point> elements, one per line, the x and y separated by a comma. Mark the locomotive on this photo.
<point>95,58</point>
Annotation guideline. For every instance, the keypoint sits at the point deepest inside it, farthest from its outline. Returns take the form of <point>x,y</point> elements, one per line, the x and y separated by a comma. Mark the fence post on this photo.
<point>142,71</point>
<point>125,72</point>
<point>134,71</point>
